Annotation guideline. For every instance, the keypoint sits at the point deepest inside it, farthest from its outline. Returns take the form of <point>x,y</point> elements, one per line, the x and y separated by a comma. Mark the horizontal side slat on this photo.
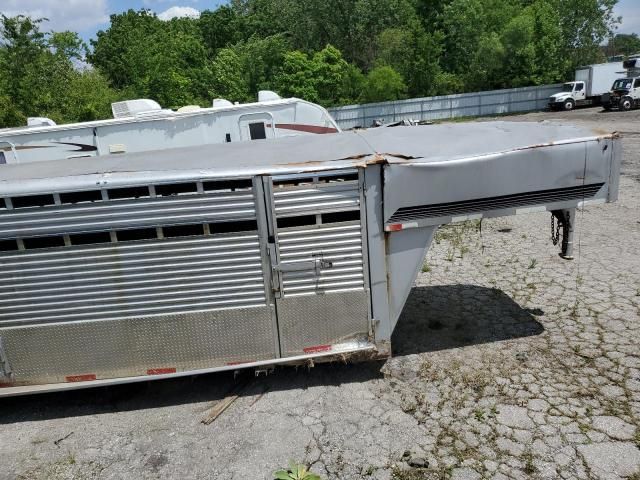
<point>340,244</point>
<point>144,278</point>
<point>105,216</point>
<point>322,198</point>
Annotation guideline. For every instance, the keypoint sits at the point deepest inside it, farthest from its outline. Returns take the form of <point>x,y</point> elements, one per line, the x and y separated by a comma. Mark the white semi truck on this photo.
<point>590,83</point>
<point>625,92</point>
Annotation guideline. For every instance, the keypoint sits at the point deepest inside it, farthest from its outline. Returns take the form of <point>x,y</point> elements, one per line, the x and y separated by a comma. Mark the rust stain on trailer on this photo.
<point>322,162</point>
<point>81,378</point>
<point>161,371</point>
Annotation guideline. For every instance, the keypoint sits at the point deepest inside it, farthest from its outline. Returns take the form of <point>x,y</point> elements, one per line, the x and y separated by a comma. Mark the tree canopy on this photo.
<point>332,52</point>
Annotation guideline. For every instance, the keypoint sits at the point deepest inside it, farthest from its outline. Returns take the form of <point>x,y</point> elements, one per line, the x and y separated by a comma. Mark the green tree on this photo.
<point>40,76</point>
<point>90,97</point>
<point>415,54</point>
<point>166,61</point>
<point>324,77</point>
<point>624,44</point>
<point>585,25</point>
<point>221,28</point>
<point>229,76</point>
<point>383,83</point>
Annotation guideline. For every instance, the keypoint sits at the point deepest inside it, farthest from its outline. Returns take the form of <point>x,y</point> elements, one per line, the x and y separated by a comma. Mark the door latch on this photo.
<point>316,264</point>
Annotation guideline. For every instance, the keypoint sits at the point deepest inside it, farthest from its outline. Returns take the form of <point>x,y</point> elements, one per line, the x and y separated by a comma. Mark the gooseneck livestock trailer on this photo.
<point>218,257</point>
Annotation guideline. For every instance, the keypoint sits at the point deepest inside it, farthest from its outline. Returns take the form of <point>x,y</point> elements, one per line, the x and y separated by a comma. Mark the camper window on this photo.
<point>257,131</point>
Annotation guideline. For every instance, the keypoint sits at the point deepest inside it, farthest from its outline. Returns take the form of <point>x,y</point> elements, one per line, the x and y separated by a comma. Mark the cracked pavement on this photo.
<point>509,363</point>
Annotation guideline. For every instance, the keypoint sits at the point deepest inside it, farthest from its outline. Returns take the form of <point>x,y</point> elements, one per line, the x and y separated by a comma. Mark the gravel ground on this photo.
<point>510,363</point>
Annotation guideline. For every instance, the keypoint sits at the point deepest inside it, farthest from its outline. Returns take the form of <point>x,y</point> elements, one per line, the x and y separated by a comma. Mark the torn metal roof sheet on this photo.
<point>412,144</point>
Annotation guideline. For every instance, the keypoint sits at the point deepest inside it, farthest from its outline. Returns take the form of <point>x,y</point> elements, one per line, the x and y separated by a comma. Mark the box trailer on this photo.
<point>591,82</point>
<point>142,125</point>
<point>245,255</point>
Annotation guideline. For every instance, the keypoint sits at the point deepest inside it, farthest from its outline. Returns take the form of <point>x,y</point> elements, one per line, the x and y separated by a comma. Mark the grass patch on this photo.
<point>529,467</point>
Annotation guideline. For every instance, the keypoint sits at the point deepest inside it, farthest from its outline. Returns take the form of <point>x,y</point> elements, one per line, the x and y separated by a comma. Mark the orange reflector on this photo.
<point>317,349</point>
<point>396,227</point>
<point>160,371</point>
<point>80,378</point>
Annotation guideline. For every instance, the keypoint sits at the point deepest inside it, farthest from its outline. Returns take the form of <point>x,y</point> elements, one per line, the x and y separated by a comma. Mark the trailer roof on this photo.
<point>400,145</point>
<point>147,117</point>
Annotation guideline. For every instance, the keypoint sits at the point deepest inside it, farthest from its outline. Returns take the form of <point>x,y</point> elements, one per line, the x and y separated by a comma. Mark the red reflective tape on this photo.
<point>6,385</point>
<point>396,227</point>
<point>235,363</point>
<point>80,378</point>
<point>317,349</point>
<point>161,371</point>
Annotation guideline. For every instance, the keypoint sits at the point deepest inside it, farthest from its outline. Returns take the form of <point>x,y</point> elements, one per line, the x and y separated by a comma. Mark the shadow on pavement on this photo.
<point>450,316</point>
<point>434,318</point>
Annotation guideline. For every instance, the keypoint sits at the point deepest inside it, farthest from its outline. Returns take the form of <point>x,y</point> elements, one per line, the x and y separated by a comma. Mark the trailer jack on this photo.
<point>566,219</point>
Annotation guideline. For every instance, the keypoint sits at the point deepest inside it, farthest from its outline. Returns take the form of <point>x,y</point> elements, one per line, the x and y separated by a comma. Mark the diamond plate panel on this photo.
<point>130,347</point>
<point>321,319</point>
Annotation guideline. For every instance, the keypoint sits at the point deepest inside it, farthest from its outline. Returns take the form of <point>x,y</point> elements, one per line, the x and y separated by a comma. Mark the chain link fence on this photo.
<point>494,102</point>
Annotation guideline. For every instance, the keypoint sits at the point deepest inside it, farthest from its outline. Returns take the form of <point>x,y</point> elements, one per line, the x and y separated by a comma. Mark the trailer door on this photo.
<point>318,254</point>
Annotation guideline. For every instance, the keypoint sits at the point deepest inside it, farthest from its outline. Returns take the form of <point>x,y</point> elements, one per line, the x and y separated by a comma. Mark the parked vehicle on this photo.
<point>624,95</point>
<point>142,125</point>
<point>632,66</point>
<point>591,82</point>
<point>296,250</point>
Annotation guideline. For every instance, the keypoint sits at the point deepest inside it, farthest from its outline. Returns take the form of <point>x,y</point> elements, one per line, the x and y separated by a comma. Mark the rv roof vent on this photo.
<point>40,122</point>
<point>221,102</point>
<point>189,108</point>
<point>267,96</point>
<point>129,108</point>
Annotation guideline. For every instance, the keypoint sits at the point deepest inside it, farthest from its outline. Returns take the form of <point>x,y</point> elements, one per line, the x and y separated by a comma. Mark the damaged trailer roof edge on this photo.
<point>400,159</point>
<point>194,163</point>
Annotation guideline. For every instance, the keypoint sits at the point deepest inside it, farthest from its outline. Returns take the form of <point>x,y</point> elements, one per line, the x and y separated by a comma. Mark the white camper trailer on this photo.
<point>142,125</point>
<point>166,263</point>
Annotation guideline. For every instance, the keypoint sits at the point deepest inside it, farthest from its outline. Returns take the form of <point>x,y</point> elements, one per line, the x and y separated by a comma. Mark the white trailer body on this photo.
<point>590,83</point>
<point>219,257</point>
<point>160,129</point>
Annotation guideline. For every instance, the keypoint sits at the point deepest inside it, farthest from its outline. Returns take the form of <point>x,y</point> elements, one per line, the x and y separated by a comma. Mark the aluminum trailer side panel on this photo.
<point>158,264</point>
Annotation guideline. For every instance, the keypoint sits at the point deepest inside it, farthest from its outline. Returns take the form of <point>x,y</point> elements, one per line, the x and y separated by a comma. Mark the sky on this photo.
<point>88,16</point>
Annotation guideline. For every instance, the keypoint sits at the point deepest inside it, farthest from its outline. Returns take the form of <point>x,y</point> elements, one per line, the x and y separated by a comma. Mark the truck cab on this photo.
<point>624,95</point>
<point>572,94</point>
